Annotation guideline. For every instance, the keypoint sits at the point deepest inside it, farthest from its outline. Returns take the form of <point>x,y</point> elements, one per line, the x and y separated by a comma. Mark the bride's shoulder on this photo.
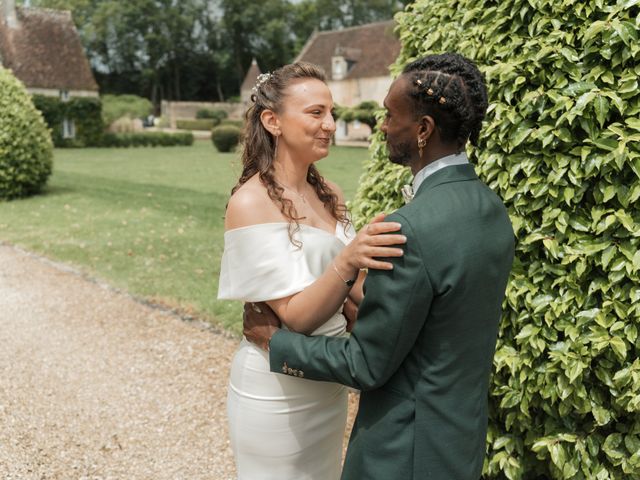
<point>250,205</point>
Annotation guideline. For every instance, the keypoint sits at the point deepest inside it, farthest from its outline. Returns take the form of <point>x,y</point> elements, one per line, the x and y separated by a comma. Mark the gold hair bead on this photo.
<point>430,92</point>
<point>419,82</point>
<point>442,100</point>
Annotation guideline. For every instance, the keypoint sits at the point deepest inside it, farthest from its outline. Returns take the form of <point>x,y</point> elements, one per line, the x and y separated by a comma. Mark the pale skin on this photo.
<point>304,127</point>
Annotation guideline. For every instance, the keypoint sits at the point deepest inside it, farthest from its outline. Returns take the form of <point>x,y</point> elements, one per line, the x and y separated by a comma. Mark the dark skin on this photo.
<point>402,130</point>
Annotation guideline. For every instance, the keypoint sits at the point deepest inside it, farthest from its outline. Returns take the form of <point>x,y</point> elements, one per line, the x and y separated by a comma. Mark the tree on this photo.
<point>561,146</point>
<point>364,112</point>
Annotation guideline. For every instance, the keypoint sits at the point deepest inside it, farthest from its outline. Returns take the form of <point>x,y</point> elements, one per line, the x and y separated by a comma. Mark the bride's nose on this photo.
<point>328,124</point>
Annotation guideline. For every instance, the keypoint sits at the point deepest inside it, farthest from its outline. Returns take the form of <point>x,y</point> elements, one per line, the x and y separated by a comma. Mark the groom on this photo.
<point>421,351</point>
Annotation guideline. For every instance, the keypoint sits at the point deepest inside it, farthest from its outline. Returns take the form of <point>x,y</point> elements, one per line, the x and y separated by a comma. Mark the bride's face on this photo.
<point>305,119</point>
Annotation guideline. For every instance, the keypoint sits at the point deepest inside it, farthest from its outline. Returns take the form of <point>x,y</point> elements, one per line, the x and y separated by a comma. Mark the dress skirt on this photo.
<point>282,427</point>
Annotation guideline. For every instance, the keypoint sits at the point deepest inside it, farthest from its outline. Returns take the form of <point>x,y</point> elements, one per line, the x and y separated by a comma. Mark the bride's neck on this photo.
<point>291,173</point>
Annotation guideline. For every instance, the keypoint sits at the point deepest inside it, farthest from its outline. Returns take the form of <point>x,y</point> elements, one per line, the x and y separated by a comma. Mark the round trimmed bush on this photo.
<point>26,150</point>
<point>561,146</point>
<point>226,137</point>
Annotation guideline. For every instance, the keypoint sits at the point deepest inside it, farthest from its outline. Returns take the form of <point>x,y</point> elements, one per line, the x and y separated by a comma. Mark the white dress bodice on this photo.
<point>261,263</point>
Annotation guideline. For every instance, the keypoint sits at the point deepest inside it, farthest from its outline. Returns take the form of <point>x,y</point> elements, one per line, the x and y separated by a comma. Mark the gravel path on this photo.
<point>96,385</point>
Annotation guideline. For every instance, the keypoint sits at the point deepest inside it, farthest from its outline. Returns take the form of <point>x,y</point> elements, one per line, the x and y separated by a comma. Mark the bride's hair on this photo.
<point>259,146</point>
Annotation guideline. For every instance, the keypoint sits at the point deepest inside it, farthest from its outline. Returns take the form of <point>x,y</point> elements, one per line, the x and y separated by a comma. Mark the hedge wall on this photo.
<point>86,112</point>
<point>147,139</point>
<point>561,146</point>
<point>26,152</point>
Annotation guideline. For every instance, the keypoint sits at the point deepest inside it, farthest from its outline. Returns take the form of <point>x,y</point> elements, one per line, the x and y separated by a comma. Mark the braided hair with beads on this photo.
<point>449,88</point>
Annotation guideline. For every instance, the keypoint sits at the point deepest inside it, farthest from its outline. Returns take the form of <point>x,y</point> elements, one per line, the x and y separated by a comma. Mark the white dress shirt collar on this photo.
<point>433,167</point>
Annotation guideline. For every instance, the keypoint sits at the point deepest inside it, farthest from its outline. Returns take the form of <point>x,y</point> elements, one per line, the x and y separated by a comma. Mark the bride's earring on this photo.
<point>275,150</point>
<point>421,144</point>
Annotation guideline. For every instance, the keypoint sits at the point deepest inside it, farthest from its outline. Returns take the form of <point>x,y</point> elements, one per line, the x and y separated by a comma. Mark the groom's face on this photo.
<point>400,126</point>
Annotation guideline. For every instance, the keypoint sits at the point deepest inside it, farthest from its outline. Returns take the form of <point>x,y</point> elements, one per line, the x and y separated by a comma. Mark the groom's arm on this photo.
<point>390,317</point>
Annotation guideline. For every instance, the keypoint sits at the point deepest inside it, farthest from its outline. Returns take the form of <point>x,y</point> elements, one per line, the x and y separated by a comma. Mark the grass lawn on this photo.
<point>146,220</point>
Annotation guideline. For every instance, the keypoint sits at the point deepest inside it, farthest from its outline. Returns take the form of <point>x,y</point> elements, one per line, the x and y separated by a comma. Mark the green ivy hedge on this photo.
<point>26,152</point>
<point>86,113</point>
<point>561,146</point>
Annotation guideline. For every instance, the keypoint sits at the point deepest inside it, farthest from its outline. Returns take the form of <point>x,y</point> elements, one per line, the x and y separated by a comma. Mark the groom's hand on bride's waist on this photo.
<point>259,323</point>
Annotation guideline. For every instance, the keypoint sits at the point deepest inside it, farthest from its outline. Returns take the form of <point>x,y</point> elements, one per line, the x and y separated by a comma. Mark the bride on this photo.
<point>289,242</point>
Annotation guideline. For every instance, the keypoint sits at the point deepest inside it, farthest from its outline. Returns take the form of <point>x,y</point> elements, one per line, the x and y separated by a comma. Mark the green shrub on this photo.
<point>202,124</point>
<point>118,106</point>
<point>147,139</point>
<point>215,114</point>
<point>561,147</point>
<point>235,123</point>
<point>85,112</point>
<point>26,150</point>
<point>226,137</point>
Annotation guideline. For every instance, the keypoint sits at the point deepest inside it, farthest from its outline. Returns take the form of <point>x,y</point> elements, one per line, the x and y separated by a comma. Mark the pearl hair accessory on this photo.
<point>261,80</point>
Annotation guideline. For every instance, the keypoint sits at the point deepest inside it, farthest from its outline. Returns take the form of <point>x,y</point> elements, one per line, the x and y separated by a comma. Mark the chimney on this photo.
<point>9,13</point>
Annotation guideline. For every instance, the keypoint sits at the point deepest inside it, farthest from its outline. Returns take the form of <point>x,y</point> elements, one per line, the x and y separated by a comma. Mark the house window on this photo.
<point>64,95</point>
<point>338,68</point>
<point>68,128</point>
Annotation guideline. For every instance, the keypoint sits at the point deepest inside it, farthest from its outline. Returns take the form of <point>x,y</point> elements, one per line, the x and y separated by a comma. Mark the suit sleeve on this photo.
<point>391,315</point>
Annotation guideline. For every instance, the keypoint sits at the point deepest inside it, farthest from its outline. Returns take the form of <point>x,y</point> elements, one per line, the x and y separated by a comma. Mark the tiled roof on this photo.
<point>44,50</point>
<point>369,49</point>
<point>251,76</point>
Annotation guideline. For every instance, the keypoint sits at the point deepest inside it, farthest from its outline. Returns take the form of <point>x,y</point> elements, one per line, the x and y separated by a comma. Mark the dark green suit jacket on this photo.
<point>422,348</point>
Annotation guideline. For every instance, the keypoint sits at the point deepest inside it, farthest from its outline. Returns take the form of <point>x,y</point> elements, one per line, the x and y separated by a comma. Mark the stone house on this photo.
<point>42,48</point>
<point>249,82</point>
<point>356,61</point>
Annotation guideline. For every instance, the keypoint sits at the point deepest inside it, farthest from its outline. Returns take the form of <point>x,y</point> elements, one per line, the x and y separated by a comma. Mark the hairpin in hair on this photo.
<point>261,80</point>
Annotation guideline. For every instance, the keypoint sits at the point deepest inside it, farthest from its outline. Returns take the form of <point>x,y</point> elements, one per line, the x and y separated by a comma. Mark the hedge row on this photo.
<point>204,124</point>
<point>561,146</point>
<point>147,139</point>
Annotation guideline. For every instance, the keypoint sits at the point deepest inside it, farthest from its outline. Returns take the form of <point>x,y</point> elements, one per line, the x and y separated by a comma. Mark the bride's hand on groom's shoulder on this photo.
<point>374,241</point>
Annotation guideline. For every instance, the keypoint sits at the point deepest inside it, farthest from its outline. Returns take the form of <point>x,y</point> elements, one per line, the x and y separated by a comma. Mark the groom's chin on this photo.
<point>402,160</point>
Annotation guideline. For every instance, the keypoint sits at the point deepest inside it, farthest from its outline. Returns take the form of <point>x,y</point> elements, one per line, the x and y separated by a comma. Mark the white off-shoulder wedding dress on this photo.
<point>281,427</point>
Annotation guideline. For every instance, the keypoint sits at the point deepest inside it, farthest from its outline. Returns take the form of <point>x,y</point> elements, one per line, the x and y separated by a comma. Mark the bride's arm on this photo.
<point>306,310</point>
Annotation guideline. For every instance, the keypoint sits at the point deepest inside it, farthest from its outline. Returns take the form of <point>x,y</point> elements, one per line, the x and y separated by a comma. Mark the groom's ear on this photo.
<point>270,122</point>
<point>426,127</point>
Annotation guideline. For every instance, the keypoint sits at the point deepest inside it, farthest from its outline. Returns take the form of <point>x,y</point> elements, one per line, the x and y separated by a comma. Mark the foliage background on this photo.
<point>201,49</point>
<point>26,152</point>
<point>118,106</point>
<point>561,147</point>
